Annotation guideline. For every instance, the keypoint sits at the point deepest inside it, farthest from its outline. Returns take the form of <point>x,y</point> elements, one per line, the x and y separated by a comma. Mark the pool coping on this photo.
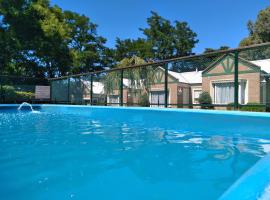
<point>237,113</point>
<point>253,184</point>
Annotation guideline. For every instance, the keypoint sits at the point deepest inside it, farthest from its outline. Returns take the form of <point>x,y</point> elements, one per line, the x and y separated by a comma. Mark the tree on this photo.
<point>112,79</point>
<point>167,39</point>
<point>42,40</point>
<point>40,33</point>
<point>259,32</point>
<point>86,46</point>
<point>128,48</point>
<point>139,79</point>
<point>210,50</point>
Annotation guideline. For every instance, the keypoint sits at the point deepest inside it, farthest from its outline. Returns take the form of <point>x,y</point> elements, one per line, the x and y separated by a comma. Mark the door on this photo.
<point>157,98</point>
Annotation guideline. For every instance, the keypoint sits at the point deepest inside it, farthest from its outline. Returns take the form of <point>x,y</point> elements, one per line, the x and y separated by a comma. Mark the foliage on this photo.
<point>167,39</point>
<point>24,96</point>
<point>137,47</point>
<point>206,99</point>
<point>113,79</point>
<point>8,93</point>
<point>139,79</point>
<point>87,48</point>
<point>259,31</point>
<point>144,100</point>
<point>253,107</point>
<point>11,95</point>
<point>163,39</point>
<point>39,40</point>
<point>210,50</point>
<point>230,106</point>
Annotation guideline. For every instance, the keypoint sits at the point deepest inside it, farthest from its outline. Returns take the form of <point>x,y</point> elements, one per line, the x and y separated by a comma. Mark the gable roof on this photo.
<point>250,64</point>
<point>196,76</point>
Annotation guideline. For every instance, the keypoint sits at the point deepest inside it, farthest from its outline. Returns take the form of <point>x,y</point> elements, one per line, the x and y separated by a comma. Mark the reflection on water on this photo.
<point>60,156</point>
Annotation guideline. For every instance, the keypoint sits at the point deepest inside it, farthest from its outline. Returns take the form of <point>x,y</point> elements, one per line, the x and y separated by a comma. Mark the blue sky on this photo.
<point>217,22</point>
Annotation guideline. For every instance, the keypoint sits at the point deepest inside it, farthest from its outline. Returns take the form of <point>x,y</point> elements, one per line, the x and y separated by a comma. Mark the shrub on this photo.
<point>230,106</point>
<point>24,96</point>
<point>9,94</point>
<point>253,107</point>
<point>206,99</point>
<point>144,100</point>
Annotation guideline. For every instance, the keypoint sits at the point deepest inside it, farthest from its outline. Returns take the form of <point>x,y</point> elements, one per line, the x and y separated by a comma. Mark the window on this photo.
<point>95,101</point>
<point>113,99</point>
<point>157,98</point>
<point>196,95</point>
<point>224,92</point>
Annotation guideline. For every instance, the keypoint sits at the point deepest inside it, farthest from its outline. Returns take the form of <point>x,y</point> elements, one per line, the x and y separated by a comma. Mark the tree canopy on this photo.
<point>39,40</point>
<point>162,39</point>
<point>169,39</point>
<point>259,31</point>
<point>210,50</point>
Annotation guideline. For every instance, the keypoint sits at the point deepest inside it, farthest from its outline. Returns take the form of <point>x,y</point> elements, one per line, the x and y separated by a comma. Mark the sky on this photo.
<point>216,22</point>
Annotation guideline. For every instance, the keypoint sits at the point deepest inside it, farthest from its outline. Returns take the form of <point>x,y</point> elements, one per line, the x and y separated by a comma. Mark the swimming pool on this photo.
<point>80,152</point>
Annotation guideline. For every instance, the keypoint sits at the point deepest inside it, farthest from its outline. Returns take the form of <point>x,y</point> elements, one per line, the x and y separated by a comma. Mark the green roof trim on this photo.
<point>221,74</point>
<point>228,67</point>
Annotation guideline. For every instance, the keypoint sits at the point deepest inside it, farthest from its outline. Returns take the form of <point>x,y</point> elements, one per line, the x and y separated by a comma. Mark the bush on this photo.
<point>206,99</point>
<point>230,106</point>
<point>144,100</point>
<point>24,96</point>
<point>9,94</point>
<point>253,107</point>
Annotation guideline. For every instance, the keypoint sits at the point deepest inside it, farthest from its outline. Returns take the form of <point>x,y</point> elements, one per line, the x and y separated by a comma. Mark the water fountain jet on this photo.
<point>29,105</point>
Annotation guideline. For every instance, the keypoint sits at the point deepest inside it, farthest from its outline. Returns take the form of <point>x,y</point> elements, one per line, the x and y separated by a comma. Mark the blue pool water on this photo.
<point>111,153</point>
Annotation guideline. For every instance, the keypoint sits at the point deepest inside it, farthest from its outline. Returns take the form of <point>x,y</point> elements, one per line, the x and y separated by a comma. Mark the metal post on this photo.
<point>166,85</point>
<point>68,90</point>
<point>91,89</point>
<point>1,90</point>
<point>82,88</point>
<point>267,98</point>
<point>51,91</point>
<point>121,87</point>
<point>236,73</point>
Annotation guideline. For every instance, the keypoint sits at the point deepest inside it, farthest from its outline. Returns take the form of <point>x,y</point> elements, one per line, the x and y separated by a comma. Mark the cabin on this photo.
<point>185,88</point>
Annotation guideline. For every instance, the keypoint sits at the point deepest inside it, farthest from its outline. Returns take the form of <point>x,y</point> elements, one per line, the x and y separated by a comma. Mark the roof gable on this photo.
<point>225,66</point>
<point>159,76</point>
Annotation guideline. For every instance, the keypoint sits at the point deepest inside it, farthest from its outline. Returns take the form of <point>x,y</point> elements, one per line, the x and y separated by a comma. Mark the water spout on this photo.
<point>27,104</point>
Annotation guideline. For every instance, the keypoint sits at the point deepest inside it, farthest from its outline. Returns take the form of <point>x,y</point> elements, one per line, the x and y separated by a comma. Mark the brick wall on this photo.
<point>252,87</point>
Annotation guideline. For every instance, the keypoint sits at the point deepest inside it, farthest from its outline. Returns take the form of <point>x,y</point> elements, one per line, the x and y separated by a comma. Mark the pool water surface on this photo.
<point>99,153</point>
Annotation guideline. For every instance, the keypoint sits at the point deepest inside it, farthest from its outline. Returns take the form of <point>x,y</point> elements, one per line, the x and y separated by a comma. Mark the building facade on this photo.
<point>185,88</point>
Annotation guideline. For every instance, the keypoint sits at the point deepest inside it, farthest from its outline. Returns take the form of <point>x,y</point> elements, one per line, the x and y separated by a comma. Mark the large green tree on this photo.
<point>87,48</point>
<point>39,32</point>
<point>259,31</point>
<point>162,39</point>
<point>133,47</point>
<point>169,39</point>
<point>42,40</point>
